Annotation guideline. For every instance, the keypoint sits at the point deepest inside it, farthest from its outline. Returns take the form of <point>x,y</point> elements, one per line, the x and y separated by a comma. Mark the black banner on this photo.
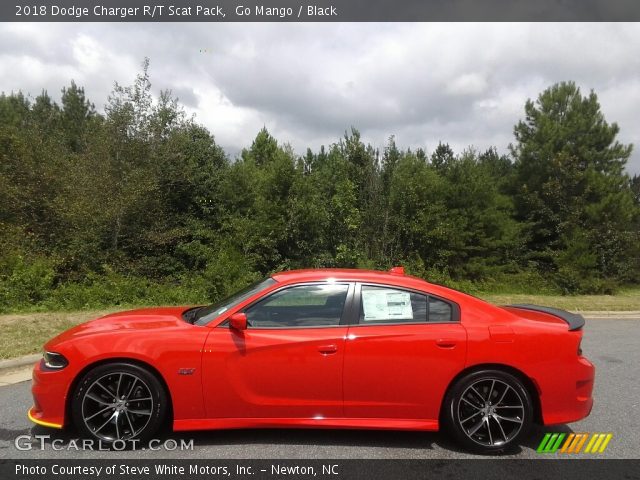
<point>485,469</point>
<point>318,10</point>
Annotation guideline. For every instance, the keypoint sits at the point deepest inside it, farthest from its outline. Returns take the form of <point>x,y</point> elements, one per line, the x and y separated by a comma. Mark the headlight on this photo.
<point>54,360</point>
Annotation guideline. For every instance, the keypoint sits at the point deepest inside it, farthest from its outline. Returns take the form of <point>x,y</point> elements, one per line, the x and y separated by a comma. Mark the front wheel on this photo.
<point>488,411</point>
<point>119,402</point>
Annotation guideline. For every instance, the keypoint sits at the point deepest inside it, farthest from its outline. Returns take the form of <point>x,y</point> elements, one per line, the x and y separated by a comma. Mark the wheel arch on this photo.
<point>528,383</point>
<point>97,363</point>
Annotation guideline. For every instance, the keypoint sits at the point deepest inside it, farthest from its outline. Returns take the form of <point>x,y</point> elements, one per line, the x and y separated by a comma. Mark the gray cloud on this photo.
<point>465,84</point>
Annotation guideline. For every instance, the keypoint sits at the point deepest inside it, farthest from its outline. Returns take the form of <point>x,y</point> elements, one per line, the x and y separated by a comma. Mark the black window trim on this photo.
<point>357,301</point>
<point>346,310</point>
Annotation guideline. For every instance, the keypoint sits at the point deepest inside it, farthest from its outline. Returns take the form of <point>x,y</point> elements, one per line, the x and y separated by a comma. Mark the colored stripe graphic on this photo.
<point>606,442</point>
<point>598,443</point>
<point>580,442</point>
<point>570,439</point>
<point>550,443</point>
<point>594,437</point>
<point>574,442</point>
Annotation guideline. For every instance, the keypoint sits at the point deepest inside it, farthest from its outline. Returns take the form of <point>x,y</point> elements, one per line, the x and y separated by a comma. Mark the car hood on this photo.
<point>141,319</point>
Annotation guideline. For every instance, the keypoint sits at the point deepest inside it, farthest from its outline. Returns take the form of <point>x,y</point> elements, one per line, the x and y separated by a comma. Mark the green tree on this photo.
<point>572,192</point>
<point>442,157</point>
<point>77,113</point>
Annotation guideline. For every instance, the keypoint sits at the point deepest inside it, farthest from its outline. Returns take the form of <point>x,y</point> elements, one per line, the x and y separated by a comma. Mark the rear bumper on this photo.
<point>574,400</point>
<point>49,390</point>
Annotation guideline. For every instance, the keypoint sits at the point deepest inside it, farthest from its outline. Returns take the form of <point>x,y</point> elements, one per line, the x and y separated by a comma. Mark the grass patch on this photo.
<point>624,300</point>
<point>25,333</point>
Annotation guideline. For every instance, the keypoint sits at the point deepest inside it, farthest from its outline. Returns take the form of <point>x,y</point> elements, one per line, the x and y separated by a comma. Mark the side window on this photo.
<point>439,311</point>
<point>318,305</point>
<point>390,305</point>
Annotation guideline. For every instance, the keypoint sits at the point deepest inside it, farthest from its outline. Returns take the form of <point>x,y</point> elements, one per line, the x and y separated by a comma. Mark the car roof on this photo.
<point>337,273</point>
<point>360,275</point>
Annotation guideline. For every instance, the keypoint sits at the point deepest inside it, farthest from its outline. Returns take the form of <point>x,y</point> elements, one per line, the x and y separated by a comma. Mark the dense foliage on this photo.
<point>140,204</point>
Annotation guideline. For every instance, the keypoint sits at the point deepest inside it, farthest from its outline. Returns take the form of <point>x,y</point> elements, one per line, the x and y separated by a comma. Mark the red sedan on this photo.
<point>321,349</point>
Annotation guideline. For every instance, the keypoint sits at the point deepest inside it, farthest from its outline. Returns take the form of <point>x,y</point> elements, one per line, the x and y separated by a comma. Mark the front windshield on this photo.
<point>206,314</point>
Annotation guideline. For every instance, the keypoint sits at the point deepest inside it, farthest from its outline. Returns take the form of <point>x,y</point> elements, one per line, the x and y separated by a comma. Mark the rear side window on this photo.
<point>439,311</point>
<point>392,305</point>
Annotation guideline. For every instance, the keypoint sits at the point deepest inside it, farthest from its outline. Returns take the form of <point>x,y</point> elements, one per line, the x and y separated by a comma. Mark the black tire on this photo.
<point>119,401</point>
<point>483,422</point>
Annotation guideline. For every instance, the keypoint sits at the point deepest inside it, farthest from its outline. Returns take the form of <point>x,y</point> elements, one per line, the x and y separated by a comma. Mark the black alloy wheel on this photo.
<point>488,411</point>
<point>119,402</point>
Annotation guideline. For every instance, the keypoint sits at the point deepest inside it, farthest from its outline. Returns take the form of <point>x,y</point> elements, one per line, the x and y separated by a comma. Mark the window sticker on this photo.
<point>386,305</point>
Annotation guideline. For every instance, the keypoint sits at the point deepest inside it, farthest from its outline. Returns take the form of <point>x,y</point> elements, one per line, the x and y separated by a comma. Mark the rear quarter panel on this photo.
<point>540,346</point>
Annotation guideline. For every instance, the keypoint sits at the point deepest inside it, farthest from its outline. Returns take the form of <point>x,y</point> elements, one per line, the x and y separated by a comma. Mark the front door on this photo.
<point>287,364</point>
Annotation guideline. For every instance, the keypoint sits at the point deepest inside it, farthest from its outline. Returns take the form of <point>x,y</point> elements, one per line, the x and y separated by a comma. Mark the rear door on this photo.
<point>288,363</point>
<point>401,354</point>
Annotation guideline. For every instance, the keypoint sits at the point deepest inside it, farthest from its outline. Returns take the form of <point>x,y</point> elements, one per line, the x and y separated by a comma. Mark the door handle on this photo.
<point>328,349</point>
<point>446,343</point>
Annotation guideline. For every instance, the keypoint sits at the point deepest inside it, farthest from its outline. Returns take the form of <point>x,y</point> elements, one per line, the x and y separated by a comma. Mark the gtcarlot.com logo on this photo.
<point>574,442</point>
<point>45,442</point>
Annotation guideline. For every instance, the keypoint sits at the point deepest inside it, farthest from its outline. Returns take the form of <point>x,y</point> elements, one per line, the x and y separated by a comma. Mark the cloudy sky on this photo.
<point>465,84</point>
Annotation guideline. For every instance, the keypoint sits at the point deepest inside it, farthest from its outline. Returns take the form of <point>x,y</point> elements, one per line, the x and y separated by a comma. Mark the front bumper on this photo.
<point>49,390</point>
<point>33,415</point>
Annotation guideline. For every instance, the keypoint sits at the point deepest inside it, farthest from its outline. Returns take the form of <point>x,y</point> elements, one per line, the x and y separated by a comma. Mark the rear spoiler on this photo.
<point>574,320</point>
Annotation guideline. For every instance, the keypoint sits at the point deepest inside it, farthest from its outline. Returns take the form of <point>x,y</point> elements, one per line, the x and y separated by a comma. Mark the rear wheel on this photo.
<point>119,401</point>
<point>488,411</point>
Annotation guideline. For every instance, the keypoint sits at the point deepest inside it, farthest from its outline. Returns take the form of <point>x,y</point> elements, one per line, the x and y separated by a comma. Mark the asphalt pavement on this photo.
<point>611,344</point>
